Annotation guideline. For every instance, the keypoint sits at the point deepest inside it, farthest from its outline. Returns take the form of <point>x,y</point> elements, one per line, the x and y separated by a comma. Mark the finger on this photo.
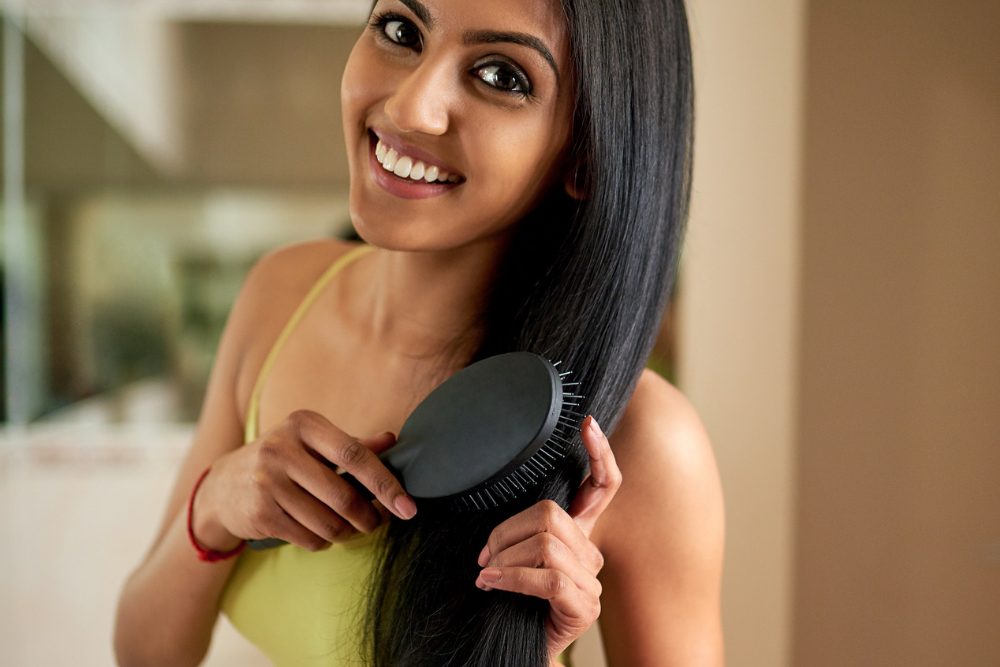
<point>552,585</point>
<point>332,491</point>
<point>375,443</point>
<point>315,516</point>
<point>544,516</point>
<point>282,526</point>
<point>546,551</point>
<point>603,482</point>
<point>349,453</point>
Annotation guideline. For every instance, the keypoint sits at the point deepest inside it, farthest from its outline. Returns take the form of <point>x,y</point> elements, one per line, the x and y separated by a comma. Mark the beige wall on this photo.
<point>898,545</point>
<point>739,313</point>
<point>840,326</point>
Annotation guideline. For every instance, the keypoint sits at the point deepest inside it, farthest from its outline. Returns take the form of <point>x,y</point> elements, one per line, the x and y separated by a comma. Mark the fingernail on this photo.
<point>594,427</point>
<point>484,556</point>
<point>491,575</point>
<point>405,506</point>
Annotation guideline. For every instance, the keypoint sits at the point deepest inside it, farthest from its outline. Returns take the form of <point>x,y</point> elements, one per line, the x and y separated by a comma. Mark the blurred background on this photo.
<point>837,322</point>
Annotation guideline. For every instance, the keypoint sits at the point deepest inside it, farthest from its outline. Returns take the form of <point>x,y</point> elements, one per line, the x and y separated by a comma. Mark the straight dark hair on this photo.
<point>585,281</point>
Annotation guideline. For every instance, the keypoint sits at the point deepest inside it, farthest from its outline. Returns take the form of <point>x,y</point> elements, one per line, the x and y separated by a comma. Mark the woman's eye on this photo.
<point>400,32</point>
<point>503,77</point>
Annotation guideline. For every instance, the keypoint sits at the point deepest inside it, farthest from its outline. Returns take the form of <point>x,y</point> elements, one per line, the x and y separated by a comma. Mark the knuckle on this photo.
<point>385,485</point>
<point>268,451</point>
<point>262,478</point>
<point>597,560</point>
<point>260,513</point>
<point>546,548</point>
<point>351,453</point>
<point>550,511</point>
<point>341,498</point>
<point>555,584</point>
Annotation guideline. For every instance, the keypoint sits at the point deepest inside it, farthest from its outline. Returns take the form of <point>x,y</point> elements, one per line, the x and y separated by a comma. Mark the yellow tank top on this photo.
<point>300,608</point>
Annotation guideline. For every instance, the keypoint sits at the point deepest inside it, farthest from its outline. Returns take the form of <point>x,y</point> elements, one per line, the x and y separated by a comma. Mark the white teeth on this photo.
<point>390,159</point>
<point>405,166</point>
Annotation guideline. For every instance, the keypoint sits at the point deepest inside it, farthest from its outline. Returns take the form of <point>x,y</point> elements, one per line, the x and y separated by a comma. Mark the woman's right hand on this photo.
<point>284,485</point>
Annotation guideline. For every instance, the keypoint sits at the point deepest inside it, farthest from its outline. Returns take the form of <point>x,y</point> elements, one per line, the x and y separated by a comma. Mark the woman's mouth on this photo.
<point>408,176</point>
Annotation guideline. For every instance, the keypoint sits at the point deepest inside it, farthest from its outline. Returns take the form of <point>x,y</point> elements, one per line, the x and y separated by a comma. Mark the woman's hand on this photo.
<point>546,552</point>
<point>284,485</point>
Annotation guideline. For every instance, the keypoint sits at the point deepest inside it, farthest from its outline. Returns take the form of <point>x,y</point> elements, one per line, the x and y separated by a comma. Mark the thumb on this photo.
<point>379,443</point>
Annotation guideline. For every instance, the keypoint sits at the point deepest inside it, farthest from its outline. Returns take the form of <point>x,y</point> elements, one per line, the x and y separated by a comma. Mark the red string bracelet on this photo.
<point>206,555</point>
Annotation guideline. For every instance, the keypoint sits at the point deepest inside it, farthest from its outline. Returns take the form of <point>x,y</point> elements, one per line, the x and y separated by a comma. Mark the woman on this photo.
<point>519,172</point>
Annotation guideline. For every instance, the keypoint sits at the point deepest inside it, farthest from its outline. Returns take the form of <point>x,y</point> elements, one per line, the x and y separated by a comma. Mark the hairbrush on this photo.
<point>484,435</point>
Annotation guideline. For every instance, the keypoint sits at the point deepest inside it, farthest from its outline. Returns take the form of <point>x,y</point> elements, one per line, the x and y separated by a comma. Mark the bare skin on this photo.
<point>643,539</point>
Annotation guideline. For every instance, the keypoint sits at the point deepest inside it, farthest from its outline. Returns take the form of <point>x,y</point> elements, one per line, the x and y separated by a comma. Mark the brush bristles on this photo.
<point>517,482</point>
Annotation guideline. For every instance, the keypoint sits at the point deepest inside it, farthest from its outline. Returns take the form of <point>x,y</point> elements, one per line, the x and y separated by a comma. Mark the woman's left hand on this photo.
<point>546,552</point>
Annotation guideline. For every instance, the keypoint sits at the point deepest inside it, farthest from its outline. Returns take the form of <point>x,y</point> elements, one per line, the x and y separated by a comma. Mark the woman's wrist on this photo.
<point>206,530</point>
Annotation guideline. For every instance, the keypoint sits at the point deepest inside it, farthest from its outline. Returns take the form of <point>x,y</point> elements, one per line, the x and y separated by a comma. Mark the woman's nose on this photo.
<point>420,102</point>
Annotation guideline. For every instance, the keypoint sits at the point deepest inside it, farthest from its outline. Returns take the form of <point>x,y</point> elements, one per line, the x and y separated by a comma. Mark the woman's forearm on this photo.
<point>169,605</point>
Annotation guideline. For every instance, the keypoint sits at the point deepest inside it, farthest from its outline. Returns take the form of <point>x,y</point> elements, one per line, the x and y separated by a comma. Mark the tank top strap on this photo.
<point>253,409</point>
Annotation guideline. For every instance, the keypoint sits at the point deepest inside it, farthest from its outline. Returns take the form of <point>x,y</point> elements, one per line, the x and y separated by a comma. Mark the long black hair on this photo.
<point>584,281</point>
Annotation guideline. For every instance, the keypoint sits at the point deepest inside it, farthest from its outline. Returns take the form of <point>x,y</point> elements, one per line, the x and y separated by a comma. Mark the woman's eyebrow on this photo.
<point>493,36</point>
<point>420,9</point>
<point>489,36</point>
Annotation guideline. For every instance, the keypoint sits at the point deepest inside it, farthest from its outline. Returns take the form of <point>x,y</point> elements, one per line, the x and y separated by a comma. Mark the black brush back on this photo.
<point>478,427</point>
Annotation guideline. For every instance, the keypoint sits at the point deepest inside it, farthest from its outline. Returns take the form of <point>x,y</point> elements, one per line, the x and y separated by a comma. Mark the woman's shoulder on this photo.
<point>659,409</point>
<point>292,269</point>
<point>278,282</point>
<point>662,536</point>
<point>274,287</point>
<point>669,474</point>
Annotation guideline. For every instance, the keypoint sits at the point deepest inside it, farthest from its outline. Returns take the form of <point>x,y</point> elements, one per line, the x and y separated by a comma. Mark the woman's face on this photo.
<point>456,116</point>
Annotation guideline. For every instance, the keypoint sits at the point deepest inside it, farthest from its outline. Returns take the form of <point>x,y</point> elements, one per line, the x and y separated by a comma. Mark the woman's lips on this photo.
<point>405,188</point>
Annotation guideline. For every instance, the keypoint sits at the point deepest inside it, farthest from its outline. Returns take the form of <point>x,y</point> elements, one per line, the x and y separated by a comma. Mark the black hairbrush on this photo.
<point>485,435</point>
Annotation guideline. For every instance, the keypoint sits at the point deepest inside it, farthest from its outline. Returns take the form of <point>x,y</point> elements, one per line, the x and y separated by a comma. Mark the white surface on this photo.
<point>79,508</point>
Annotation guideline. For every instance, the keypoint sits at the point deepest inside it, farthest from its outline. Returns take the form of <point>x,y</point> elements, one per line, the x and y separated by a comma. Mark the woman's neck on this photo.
<point>426,305</point>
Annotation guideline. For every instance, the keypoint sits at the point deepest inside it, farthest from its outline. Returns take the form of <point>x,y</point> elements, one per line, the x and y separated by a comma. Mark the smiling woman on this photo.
<point>519,173</point>
<point>485,106</point>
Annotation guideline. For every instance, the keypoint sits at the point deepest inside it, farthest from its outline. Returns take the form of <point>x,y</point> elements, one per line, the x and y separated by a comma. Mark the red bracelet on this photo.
<point>206,555</point>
